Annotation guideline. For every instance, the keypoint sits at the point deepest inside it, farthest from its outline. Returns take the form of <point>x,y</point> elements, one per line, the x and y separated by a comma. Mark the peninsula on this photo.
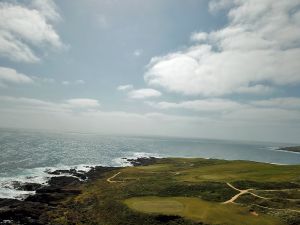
<point>290,149</point>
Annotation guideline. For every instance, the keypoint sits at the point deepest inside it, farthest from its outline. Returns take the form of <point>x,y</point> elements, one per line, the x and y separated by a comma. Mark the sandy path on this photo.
<point>241,192</point>
<point>109,180</point>
<point>257,195</point>
<point>230,185</point>
<point>292,210</point>
<point>290,189</point>
<point>236,197</point>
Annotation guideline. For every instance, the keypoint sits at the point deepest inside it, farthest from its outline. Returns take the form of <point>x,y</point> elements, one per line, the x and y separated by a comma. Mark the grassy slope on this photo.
<point>191,188</point>
<point>199,210</point>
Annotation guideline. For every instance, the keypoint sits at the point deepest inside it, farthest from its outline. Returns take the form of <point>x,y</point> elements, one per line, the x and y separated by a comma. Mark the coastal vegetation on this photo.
<point>172,191</point>
<point>187,191</point>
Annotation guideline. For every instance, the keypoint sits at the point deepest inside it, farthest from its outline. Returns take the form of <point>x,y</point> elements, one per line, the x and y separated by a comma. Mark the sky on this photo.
<point>221,69</point>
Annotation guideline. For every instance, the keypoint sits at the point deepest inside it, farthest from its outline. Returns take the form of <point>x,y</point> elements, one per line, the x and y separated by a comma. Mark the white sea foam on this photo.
<point>280,150</point>
<point>37,175</point>
<point>12,193</point>
<point>273,148</point>
<point>41,175</point>
<point>145,155</point>
<point>123,161</point>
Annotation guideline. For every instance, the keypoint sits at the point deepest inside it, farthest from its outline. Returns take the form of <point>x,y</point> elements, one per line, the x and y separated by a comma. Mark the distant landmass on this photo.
<point>290,149</point>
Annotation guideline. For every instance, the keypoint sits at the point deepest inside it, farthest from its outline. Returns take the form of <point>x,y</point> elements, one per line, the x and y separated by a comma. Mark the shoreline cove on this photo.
<point>42,175</point>
<point>67,184</point>
<point>61,183</point>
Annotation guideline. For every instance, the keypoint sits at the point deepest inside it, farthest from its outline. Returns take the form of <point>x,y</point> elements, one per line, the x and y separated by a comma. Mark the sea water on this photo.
<point>25,156</point>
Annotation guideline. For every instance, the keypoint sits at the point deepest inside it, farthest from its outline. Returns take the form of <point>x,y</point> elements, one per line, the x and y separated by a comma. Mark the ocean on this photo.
<point>26,156</point>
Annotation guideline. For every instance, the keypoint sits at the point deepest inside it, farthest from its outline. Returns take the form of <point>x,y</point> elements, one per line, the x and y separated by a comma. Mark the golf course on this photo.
<point>188,191</point>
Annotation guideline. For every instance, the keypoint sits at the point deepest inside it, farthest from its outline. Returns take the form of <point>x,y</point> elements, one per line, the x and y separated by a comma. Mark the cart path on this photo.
<point>241,192</point>
<point>109,180</point>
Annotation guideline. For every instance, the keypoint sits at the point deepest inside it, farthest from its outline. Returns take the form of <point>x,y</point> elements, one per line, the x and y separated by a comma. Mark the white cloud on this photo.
<point>261,44</point>
<point>143,93</point>
<point>65,82</point>
<point>15,49</point>
<point>203,105</point>
<point>125,87</point>
<point>138,93</point>
<point>75,82</point>
<point>138,52</point>
<point>30,104</point>
<point>287,103</point>
<point>256,89</point>
<point>216,5</point>
<point>250,122</point>
<point>79,82</point>
<point>23,28</point>
<point>8,76</point>
<point>201,36</point>
<point>35,113</point>
<point>47,8</point>
<point>263,116</point>
<point>66,106</point>
<point>45,80</point>
<point>268,112</point>
<point>102,21</point>
<point>83,103</point>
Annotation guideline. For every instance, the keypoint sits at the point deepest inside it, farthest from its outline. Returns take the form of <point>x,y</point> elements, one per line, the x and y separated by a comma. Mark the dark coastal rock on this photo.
<point>47,198</point>
<point>30,187</point>
<point>58,188</point>
<point>144,161</point>
<point>33,209</point>
<point>25,186</point>
<point>63,181</point>
<point>290,149</point>
<point>21,212</point>
<point>98,172</point>
<point>8,202</point>
<point>80,174</point>
<point>49,189</point>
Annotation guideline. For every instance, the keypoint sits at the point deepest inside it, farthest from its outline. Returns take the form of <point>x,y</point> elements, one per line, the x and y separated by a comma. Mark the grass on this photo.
<point>242,170</point>
<point>199,210</point>
<point>185,191</point>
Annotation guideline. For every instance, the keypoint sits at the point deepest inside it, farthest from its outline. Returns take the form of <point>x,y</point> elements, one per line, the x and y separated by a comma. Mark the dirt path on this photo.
<point>292,210</point>
<point>258,196</point>
<point>109,180</point>
<point>288,189</point>
<point>247,191</point>
<point>236,197</point>
<point>241,192</point>
<point>230,185</point>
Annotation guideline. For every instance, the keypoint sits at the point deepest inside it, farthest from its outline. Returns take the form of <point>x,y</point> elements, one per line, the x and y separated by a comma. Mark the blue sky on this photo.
<point>214,69</point>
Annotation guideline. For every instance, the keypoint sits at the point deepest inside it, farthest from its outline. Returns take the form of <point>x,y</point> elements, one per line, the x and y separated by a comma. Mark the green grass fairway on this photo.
<point>188,192</point>
<point>241,170</point>
<point>199,210</point>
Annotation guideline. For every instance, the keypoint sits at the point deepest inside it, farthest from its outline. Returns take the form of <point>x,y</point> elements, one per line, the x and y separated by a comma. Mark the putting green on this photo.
<point>199,210</point>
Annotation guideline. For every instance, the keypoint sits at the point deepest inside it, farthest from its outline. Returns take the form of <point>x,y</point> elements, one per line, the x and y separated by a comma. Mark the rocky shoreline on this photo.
<point>67,183</point>
<point>290,149</point>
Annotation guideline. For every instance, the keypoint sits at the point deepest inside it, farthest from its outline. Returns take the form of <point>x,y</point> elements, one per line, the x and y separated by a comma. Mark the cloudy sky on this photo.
<point>226,69</point>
